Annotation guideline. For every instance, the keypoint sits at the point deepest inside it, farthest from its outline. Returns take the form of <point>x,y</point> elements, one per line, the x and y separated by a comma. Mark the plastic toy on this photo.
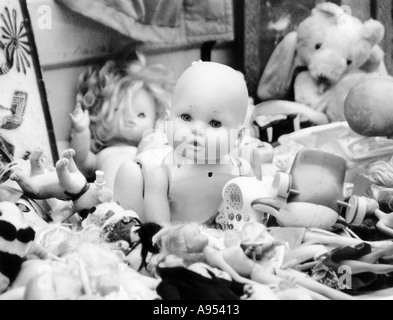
<point>361,207</point>
<point>239,193</point>
<point>311,195</point>
<point>368,107</point>
<point>64,183</point>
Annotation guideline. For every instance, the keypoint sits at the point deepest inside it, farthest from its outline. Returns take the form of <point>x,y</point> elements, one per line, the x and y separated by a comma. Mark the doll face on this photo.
<point>195,240</point>
<point>208,112</point>
<point>137,117</point>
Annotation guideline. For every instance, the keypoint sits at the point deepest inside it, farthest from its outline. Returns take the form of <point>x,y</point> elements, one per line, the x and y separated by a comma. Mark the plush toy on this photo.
<point>318,58</point>
<point>65,183</point>
<point>16,239</point>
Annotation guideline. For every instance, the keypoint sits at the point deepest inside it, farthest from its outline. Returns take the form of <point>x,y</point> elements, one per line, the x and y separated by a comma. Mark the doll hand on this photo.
<point>80,119</point>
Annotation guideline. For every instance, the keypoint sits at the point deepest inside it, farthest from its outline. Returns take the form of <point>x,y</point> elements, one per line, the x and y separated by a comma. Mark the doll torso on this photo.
<point>110,159</point>
<point>195,191</point>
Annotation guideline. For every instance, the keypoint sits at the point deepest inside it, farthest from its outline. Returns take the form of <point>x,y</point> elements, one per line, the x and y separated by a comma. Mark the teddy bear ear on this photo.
<point>330,9</point>
<point>374,31</point>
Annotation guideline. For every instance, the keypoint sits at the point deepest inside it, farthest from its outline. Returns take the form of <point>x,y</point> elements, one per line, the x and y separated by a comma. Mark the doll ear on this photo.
<point>376,62</point>
<point>277,78</point>
<point>329,9</point>
<point>374,31</point>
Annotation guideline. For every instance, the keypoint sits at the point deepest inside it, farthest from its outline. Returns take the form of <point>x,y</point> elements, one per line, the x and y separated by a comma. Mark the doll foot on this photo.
<point>69,154</point>
<point>62,164</point>
<point>37,162</point>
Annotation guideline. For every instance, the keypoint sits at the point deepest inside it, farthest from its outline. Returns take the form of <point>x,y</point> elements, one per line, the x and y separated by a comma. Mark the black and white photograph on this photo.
<point>200,155</point>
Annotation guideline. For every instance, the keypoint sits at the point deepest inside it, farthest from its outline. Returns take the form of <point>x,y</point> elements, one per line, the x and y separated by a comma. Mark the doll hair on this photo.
<point>146,232</point>
<point>171,240</point>
<point>61,240</point>
<point>105,91</point>
<point>381,175</point>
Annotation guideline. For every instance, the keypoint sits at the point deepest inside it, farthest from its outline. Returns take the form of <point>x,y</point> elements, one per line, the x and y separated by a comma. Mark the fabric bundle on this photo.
<point>162,21</point>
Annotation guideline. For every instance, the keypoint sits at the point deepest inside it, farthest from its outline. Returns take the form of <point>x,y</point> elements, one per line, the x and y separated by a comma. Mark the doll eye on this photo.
<point>318,46</point>
<point>216,124</point>
<point>186,118</point>
<point>142,116</point>
<point>349,62</point>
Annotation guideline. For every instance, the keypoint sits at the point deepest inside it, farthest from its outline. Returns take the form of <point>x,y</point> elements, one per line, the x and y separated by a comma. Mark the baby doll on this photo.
<point>209,106</point>
<point>116,107</point>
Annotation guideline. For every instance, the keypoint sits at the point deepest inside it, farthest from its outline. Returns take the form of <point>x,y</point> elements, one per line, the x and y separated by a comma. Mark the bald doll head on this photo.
<point>209,108</point>
<point>213,86</point>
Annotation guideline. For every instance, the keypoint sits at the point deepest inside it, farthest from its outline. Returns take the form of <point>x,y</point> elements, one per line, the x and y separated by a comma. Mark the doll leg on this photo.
<point>378,255</point>
<point>129,188</point>
<point>384,229</point>
<point>357,267</point>
<point>65,178</point>
<point>326,238</point>
<point>69,155</point>
<point>37,163</point>
<point>30,189</point>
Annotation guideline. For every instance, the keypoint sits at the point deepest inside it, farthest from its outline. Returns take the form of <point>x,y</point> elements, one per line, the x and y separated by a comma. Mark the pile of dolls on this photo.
<point>106,252</point>
<point>124,215</point>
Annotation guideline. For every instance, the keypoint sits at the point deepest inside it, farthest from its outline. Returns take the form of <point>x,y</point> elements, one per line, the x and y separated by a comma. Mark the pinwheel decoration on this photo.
<point>14,45</point>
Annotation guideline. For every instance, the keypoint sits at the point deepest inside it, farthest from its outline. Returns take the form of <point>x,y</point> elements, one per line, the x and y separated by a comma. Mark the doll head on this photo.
<point>209,107</point>
<point>381,175</point>
<point>125,100</point>
<point>185,242</point>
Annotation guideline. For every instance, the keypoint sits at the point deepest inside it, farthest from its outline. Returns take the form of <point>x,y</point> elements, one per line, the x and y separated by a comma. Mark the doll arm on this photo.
<point>80,141</point>
<point>281,107</point>
<point>129,187</point>
<point>156,201</point>
<point>381,226</point>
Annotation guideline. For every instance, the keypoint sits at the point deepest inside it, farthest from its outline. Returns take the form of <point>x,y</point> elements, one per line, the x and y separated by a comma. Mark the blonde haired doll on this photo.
<point>117,105</point>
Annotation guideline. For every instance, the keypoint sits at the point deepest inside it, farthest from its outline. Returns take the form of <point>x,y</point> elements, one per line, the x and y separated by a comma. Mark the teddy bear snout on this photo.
<point>327,68</point>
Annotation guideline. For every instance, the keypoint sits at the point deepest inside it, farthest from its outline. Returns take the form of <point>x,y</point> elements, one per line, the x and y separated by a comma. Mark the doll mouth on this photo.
<point>195,144</point>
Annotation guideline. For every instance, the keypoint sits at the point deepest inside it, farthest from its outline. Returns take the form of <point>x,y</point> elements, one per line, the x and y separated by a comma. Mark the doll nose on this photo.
<point>198,129</point>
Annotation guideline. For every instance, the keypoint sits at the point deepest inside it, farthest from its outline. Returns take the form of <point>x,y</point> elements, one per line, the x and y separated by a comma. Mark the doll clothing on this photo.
<point>195,191</point>
<point>331,267</point>
<point>183,284</point>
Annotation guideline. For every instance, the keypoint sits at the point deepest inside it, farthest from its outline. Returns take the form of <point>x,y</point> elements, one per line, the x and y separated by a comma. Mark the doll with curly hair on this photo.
<point>117,106</point>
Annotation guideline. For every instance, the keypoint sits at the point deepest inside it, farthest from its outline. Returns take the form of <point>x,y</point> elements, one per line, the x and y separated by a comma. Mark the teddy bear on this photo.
<point>65,183</point>
<point>330,52</point>
<point>16,240</point>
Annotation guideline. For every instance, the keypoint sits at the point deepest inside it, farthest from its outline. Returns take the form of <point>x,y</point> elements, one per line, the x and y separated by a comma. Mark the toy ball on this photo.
<point>369,107</point>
